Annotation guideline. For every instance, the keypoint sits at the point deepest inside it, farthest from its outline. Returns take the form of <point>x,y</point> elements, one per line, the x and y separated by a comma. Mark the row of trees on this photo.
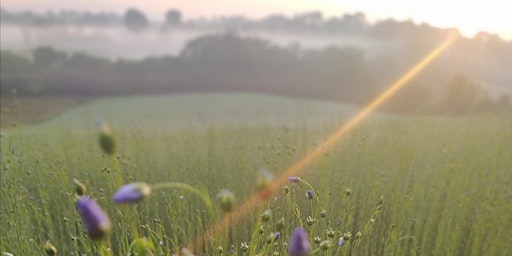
<point>132,18</point>
<point>308,22</point>
<point>227,62</point>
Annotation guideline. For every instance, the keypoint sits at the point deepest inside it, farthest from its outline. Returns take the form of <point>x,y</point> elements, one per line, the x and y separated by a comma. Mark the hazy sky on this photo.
<point>469,16</point>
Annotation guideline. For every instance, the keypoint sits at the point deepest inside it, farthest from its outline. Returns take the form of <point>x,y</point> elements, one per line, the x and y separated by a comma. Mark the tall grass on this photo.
<point>410,186</point>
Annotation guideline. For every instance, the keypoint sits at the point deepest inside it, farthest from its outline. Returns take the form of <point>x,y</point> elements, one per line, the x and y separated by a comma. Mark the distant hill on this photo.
<point>198,110</point>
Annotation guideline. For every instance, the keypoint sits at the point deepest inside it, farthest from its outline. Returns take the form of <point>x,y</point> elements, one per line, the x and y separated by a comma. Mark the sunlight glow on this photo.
<point>299,166</point>
<point>469,17</point>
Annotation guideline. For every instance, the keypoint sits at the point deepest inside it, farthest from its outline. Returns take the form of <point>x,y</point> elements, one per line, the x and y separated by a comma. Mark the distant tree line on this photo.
<point>133,18</point>
<point>227,62</point>
<point>308,22</point>
<point>312,22</point>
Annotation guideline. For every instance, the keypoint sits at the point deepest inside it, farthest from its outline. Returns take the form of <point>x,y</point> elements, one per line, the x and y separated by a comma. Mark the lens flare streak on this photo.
<point>298,166</point>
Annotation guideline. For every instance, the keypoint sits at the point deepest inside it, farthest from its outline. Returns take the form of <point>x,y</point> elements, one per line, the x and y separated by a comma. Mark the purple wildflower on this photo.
<point>309,194</point>
<point>299,244</point>
<point>132,193</point>
<point>94,219</point>
<point>277,236</point>
<point>341,241</point>
<point>294,179</point>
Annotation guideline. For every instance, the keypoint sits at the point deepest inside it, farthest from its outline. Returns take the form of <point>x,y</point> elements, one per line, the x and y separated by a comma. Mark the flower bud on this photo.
<point>264,179</point>
<point>132,193</point>
<point>309,194</point>
<point>106,139</point>
<point>80,188</point>
<point>95,220</point>
<point>299,244</point>
<point>294,179</point>
<point>266,215</point>
<point>226,199</point>
<point>280,224</point>
<point>326,244</point>
<point>347,236</point>
<point>50,249</point>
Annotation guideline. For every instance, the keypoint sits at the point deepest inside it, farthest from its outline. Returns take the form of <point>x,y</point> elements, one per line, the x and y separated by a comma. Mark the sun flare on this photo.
<point>469,17</point>
<point>298,166</point>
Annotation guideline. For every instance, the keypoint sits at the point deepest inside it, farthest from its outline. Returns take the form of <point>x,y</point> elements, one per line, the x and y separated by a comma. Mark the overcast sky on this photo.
<point>468,16</point>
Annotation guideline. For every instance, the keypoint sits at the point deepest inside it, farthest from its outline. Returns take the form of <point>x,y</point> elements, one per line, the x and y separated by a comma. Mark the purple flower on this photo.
<point>299,244</point>
<point>294,179</point>
<point>277,236</point>
<point>309,194</point>
<point>94,219</point>
<point>132,193</point>
<point>341,241</point>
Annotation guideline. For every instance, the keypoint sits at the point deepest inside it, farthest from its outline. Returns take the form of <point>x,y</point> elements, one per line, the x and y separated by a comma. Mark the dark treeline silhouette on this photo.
<point>66,17</point>
<point>312,22</point>
<point>228,62</point>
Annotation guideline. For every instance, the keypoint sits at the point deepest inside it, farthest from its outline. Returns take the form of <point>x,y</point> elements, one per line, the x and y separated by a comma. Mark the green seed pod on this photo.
<point>286,190</point>
<point>220,250</point>
<point>317,239</point>
<point>50,249</point>
<point>348,191</point>
<point>326,244</point>
<point>266,215</point>
<point>264,179</point>
<point>80,188</point>
<point>226,200</point>
<point>330,233</point>
<point>358,235</point>
<point>323,214</point>
<point>106,140</point>
<point>280,224</point>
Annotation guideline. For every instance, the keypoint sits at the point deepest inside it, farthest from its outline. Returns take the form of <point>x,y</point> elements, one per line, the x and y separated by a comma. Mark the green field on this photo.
<point>418,185</point>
